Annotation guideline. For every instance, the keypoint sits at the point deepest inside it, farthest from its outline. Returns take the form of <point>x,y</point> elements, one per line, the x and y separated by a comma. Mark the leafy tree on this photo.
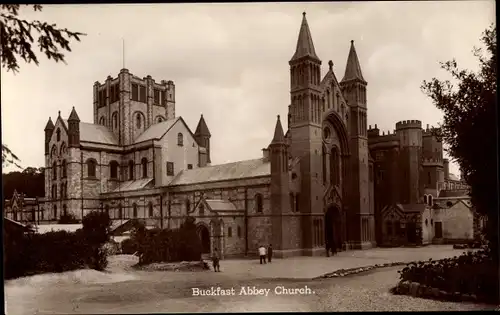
<point>8,157</point>
<point>469,127</point>
<point>16,37</point>
<point>30,182</point>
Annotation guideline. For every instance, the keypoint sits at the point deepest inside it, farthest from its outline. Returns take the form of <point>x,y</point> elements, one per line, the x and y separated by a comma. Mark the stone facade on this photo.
<point>316,184</point>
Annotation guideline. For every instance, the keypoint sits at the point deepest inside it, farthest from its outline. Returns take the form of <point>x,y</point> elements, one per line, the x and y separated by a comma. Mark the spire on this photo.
<point>73,116</point>
<point>50,125</point>
<point>353,69</point>
<point>279,136</point>
<point>305,46</point>
<point>202,129</point>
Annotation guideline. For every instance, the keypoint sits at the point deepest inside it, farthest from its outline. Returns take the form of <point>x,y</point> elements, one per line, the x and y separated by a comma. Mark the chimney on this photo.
<point>446,166</point>
<point>265,154</point>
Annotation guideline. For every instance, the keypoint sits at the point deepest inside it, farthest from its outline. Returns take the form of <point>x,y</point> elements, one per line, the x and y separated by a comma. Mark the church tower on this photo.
<point>361,222</point>
<point>305,129</point>
<point>202,136</point>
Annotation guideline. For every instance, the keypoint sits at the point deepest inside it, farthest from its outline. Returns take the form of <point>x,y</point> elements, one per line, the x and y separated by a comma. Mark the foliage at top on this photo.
<point>30,181</point>
<point>17,38</point>
<point>470,127</point>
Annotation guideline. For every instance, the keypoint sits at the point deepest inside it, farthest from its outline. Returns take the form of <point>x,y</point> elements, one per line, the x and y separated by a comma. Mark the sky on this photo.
<point>229,62</point>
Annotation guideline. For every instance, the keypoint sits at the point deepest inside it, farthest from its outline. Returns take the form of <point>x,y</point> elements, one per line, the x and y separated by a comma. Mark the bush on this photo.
<point>57,251</point>
<point>68,218</point>
<point>471,273</point>
<point>166,245</point>
<point>128,247</point>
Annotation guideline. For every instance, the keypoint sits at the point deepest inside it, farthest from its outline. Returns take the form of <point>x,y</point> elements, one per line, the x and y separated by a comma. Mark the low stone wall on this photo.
<point>351,271</point>
<point>178,266</point>
<point>420,290</point>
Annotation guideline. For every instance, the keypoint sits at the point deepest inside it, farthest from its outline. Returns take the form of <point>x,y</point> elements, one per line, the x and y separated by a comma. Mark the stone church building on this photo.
<point>316,181</point>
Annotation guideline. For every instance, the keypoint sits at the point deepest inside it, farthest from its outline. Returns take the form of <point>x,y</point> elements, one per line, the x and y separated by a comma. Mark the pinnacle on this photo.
<point>279,136</point>
<point>353,68</point>
<point>305,45</point>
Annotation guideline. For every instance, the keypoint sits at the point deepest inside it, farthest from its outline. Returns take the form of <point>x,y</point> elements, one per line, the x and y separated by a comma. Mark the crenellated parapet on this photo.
<point>409,124</point>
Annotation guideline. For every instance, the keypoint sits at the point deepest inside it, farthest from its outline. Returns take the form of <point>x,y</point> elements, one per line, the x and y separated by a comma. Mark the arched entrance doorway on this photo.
<point>333,228</point>
<point>204,236</point>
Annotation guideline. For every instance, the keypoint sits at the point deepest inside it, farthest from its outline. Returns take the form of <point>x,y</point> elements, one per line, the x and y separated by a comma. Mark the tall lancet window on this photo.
<point>335,167</point>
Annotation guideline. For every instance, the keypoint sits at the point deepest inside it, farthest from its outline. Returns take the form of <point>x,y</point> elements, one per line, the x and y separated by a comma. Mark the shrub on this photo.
<point>471,273</point>
<point>128,246</point>
<point>57,251</point>
<point>68,218</point>
<point>166,245</point>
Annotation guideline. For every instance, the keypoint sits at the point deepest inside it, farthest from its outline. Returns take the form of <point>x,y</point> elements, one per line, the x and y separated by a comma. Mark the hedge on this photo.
<point>472,273</point>
<point>59,251</point>
<point>167,245</point>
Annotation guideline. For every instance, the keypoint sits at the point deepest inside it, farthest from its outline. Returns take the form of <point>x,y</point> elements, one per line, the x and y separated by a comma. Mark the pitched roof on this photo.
<point>220,205</point>
<point>420,207</point>
<point>454,193</point>
<point>202,128</point>
<point>353,69</point>
<point>49,125</point>
<point>132,185</point>
<point>45,228</point>
<point>305,45</point>
<point>157,131</point>
<point>73,116</point>
<point>95,133</point>
<point>229,171</point>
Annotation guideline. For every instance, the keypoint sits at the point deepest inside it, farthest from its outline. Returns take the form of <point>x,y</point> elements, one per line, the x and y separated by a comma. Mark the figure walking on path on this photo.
<point>270,253</point>
<point>215,260</point>
<point>262,254</point>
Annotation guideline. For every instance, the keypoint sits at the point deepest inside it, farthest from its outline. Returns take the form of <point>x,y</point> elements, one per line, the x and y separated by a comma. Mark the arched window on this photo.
<point>430,200</point>
<point>114,118</point>
<point>144,163</point>
<point>65,210</point>
<point>53,152</point>
<point>130,170</point>
<point>239,231</point>
<point>150,209</point>
<point>134,206</point>
<point>102,121</point>
<point>229,232</point>
<point>113,169</point>
<point>180,139</point>
<point>120,211</point>
<point>61,191</point>
<point>188,205</point>
<point>54,170</point>
<point>63,149</point>
<point>159,119</point>
<point>58,134</point>
<point>91,167</point>
<point>258,203</point>
<point>425,199</point>
<point>55,212</point>
<point>138,121</point>
<point>63,168</point>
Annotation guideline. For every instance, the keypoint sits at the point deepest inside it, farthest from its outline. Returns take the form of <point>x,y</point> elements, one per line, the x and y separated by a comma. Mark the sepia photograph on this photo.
<point>249,157</point>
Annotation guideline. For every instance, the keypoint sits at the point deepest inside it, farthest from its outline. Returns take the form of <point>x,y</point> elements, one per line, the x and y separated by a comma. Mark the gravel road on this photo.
<point>165,292</point>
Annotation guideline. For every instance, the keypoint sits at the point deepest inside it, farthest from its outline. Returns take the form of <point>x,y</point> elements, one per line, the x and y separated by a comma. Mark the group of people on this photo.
<point>263,253</point>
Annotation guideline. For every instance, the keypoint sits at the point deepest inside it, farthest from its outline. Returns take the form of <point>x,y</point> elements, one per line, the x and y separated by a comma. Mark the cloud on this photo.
<point>230,62</point>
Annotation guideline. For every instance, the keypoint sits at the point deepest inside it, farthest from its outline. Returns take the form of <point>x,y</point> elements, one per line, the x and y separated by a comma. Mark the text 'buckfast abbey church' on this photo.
<point>314,183</point>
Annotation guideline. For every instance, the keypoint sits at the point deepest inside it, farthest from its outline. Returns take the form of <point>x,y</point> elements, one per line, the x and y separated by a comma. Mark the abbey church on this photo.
<point>315,182</point>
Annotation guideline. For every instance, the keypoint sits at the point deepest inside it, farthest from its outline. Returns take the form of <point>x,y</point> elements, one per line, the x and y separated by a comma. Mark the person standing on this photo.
<point>262,254</point>
<point>270,253</point>
<point>215,260</point>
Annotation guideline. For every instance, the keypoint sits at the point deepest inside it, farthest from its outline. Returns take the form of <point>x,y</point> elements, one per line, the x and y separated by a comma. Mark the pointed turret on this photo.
<point>73,129</point>
<point>73,116</point>
<point>202,136</point>
<point>202,129</point>
<point>49,129</point>
<point>305,45</point>
<point>49,125</point>
<point>279,136</point>
<point>353,69</point>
